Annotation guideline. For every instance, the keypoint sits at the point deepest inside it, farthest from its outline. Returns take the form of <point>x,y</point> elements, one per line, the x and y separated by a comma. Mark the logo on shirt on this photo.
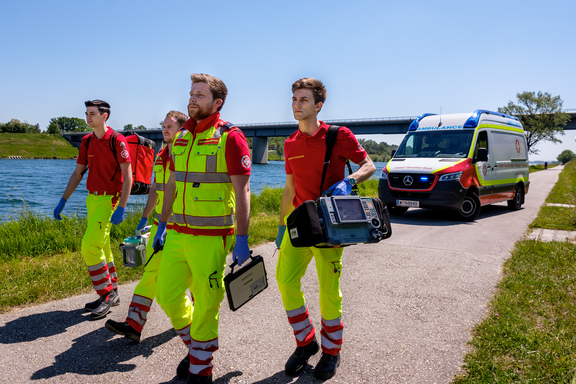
<point>124,154</point>
<point>122,145</point>
<point>360,147</point>
<point>246,161</point>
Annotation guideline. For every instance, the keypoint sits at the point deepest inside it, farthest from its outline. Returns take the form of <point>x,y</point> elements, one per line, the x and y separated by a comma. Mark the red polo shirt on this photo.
<point>104,170</point>
<point>237,151</point>
<point>305,159</point>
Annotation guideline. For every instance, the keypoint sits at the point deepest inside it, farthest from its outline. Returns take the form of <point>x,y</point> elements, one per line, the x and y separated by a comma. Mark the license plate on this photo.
<point>408,203</point>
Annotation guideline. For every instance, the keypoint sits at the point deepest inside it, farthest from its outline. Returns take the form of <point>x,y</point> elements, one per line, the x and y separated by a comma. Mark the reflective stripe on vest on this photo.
<point>217,221</point>
<point>200,177</point>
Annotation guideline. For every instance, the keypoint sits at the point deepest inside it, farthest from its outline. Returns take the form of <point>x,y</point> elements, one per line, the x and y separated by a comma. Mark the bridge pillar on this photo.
<point>260,150</point>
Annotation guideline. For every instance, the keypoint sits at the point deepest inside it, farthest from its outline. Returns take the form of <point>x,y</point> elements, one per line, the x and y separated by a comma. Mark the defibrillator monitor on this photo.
<point>350,210</point>
<point>350,220</point>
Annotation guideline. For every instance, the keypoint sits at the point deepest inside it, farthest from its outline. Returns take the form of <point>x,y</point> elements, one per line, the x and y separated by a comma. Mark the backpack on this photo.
<point>141,152</point>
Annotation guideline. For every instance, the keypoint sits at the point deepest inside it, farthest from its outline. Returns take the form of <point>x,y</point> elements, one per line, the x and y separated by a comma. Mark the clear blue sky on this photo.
<point>377,58</point>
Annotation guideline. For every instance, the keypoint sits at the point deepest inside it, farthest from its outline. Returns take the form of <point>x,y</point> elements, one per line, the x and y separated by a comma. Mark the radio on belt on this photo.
<point>349,220</point>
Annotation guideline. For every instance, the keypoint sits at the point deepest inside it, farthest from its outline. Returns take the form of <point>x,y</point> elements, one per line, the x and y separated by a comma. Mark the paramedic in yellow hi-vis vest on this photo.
<point>209,186</point>
<point>145,291</point>
<point>109,180</point>
<point>304,152</point>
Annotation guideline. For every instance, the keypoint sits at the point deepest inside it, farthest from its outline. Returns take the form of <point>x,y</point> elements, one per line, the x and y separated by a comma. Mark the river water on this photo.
<point>39,184</point>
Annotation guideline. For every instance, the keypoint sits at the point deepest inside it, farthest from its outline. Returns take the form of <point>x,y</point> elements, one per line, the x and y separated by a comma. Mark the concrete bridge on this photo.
<point>260,132</point>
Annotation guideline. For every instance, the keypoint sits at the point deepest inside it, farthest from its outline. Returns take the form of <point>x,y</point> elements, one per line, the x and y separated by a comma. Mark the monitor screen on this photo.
<point>350,210</point>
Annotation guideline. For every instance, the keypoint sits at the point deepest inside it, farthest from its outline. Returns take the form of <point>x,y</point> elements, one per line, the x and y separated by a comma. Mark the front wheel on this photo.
<point>395,210</point>
<point>516,203</point>
<point>470,208</point>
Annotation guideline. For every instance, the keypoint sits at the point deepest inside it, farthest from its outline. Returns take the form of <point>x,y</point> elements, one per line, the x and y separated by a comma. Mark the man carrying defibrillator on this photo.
<point>209,186</point>
<point>304,153</point>
<point>105,154</point>
<point>145,291</point>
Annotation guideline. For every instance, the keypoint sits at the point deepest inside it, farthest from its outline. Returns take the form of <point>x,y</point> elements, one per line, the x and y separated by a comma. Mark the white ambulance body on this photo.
<point>458,162</point>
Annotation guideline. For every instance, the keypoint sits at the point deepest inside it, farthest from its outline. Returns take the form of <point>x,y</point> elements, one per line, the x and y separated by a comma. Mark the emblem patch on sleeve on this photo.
<point>124,154</point>
<point>246,161</point>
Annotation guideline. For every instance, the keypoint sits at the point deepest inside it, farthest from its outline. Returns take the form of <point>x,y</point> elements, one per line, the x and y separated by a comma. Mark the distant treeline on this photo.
<point>16,126</point>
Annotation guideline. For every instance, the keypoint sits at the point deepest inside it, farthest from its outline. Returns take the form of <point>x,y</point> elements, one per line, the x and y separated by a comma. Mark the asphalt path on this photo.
<point>410,304</point>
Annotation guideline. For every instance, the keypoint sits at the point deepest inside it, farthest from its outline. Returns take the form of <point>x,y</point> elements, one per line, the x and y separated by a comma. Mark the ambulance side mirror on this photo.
<point>482,155</point>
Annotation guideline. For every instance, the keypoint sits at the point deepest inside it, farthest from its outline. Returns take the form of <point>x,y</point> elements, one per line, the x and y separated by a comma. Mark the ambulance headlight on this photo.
<point>384,175</point>
<point>451,176</point>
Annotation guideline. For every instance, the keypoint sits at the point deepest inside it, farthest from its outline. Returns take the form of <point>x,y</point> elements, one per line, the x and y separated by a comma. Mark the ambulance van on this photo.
<point>458,162</point>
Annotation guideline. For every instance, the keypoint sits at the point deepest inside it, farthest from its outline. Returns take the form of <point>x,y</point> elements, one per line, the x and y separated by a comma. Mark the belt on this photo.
<point>102,193</point>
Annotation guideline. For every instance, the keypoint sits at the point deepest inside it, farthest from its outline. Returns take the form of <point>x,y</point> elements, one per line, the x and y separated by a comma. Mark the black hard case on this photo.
<point>244,284</point>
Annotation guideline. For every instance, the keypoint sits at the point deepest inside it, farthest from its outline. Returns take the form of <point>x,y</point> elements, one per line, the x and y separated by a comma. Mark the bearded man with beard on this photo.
<point>209,185</point>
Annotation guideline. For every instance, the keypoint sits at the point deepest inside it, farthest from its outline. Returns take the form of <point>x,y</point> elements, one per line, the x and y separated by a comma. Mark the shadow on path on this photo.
<point>95,354</point>
<point>38,325</point>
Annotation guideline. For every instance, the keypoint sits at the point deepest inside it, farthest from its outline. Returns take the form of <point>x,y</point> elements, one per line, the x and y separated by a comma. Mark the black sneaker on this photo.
<point>199,379</point>
<point>299,359</point>
<point>182,370</point>
<point>326,367</point>
<point>107,301</point>
<point>123,329</point>
<point>96,303</point>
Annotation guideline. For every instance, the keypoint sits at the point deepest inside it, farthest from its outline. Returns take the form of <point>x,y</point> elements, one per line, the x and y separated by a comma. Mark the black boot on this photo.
<point>107,301</point>
<point>299,359</point>
<point>182,371</point>
<point>326,367</point>
<point>123,329</point>
<point>89,307</point>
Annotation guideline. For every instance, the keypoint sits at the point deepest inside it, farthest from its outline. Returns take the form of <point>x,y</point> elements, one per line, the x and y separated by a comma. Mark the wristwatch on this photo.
<point>351,180</point>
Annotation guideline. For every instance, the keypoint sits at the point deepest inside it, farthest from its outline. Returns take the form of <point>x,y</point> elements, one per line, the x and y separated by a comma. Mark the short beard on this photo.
<point>200,113</point>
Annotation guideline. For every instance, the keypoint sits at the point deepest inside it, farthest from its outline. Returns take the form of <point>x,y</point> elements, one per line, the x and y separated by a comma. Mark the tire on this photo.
<point>470,208</point>
<point>516,203</point>
<point>396,211</point>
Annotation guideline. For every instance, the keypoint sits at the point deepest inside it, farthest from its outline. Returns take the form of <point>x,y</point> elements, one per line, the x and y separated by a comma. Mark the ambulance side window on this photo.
<point>482,142</point>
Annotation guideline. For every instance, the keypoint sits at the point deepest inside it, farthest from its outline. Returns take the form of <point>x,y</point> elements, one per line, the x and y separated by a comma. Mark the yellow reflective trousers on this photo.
<point>96,243</point>
<point>196,263</point>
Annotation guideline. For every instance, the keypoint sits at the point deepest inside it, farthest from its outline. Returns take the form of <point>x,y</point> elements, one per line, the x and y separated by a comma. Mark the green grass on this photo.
<point>540,167</point>
<point>529,333</point>
<point>563,192</point>
<point>35,145</point>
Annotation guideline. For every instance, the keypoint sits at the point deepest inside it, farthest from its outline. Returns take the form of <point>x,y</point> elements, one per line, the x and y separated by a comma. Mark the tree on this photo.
<point>67,124</point>
<point>566,156</point>
<point>128,127</point>
<point>16,126</point>
<point>141,127</point>
<point>540,114</point>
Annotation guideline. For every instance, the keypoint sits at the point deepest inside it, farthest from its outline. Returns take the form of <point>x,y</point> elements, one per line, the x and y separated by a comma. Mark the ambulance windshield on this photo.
<point>445,144</point>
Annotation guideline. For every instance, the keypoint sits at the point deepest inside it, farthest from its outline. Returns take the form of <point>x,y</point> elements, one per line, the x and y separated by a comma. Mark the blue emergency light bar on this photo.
<point>414,124</point>
<point>472,122</point>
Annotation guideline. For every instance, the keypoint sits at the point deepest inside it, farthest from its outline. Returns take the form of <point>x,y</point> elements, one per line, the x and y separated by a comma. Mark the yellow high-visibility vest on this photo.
<point>205,197</point>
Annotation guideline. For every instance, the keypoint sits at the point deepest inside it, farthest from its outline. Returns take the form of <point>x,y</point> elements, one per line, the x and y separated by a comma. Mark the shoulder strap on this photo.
<point>330,140</point>
<point>87,146</point>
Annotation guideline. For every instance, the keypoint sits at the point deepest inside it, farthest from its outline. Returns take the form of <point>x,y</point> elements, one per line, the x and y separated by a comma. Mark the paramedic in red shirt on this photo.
<point>209,187</point>
<point>145,291</point>
<point>109,183</point>
<point>304,154</point>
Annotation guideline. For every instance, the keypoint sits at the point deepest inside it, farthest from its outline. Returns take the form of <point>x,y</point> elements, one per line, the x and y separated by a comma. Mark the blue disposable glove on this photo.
<point>59,209</point>
<point>142,223</point>
<point>341,188</point>
<point>280,235</point>
<point>160,236</point>
<point>118,216</point>
<point>241,251</point>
